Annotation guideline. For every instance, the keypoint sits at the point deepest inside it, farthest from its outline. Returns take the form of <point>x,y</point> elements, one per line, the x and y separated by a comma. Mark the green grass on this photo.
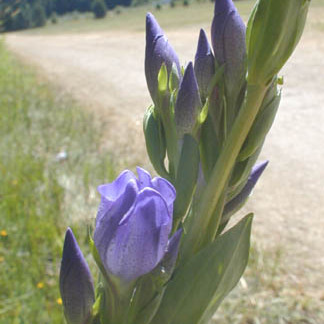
<point>40,196</point>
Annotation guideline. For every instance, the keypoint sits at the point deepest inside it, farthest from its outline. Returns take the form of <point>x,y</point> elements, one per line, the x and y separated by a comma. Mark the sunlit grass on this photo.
<point>41,193</point>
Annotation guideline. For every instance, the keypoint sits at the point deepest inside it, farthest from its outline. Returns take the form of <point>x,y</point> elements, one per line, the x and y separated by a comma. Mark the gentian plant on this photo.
<point>163,248</point>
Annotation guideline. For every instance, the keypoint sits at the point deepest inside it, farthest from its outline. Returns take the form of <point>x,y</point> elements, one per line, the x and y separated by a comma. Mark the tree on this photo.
<point>38,15</point>
<point>99,8</point>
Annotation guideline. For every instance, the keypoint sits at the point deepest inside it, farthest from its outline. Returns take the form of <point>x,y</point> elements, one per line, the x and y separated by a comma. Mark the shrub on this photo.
<point>53,18</point>
<point>99,8</point>
<point>186,3</point>
<point>172,4</point>
<point>118,10</point>
<point>20,19</point>
<point>158,6</point>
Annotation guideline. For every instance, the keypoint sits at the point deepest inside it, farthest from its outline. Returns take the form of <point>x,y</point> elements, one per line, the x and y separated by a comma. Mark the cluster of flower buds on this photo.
<point>160,244</point>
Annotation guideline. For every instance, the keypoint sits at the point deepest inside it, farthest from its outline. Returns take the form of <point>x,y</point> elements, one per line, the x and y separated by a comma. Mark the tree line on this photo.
<point>22,14</point>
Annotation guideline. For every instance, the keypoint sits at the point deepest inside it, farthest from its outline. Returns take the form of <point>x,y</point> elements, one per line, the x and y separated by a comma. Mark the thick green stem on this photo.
<point>222,169</point>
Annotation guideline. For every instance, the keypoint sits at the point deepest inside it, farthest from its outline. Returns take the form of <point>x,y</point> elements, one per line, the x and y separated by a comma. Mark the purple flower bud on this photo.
<point>158,50</point>
<point>228,40</point>
<point>240,199</point>
<point>76,284</point>
<point>188,103</point>
<point>204,64</point>
<point>133,223</point>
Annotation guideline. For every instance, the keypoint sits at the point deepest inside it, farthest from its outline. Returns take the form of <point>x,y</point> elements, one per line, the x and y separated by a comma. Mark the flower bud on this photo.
<point>158,50</point>
<point>204,64</point>
<point>133,224</point>
<point>274,30</point>
<point>188,103</point>
<point>228,40</point>
<point>236,203</point>
<point>76,284</point>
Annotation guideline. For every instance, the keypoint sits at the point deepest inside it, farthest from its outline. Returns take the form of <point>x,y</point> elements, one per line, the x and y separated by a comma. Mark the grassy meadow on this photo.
<point>51,160</point>
<point>41,190</point>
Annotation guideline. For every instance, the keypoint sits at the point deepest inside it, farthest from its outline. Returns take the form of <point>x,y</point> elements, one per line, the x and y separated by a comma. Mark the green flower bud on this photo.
<point>274,29</point>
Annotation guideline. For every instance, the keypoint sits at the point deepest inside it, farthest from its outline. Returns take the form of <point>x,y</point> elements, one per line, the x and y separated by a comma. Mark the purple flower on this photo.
<point>228,40</point>
<point>76,284</point>
<point>233,205</point>
<point>204,64</point>
<point>133,223</point>
<point>188,103</point>
<point>158,50</point>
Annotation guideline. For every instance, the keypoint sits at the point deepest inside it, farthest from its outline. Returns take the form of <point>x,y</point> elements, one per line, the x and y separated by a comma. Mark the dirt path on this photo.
<point>105,72</point>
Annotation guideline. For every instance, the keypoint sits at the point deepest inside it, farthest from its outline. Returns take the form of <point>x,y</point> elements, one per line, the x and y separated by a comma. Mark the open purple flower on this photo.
<point>133,223</point>
<point>158,51</point>
<point>76,284</point>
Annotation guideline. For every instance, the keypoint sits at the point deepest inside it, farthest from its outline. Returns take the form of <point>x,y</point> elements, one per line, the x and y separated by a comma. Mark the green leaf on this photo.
<point>260,129</point>
<point>241,173</point>
<point>187,175</point>
<point>163,79</point>
<point>155,142</point>
<point>174,79</point>
<point>199,286</point>
<point>219,73</point>
<point>209,147</point>
<point>203,113</point>
<point>274,30</point>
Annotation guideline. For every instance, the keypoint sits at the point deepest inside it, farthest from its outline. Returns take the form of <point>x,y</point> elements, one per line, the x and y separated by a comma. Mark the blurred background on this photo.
<point>72,98</point>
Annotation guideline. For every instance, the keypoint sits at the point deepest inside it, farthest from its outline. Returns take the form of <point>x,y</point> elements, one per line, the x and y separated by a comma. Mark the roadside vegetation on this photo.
<point>49,169</point>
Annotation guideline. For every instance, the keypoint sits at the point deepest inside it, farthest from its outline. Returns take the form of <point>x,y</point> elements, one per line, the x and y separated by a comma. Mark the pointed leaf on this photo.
<point>187,176</point>
<point>155,143</point>
<point>199,286</point>
<point>260,129</point>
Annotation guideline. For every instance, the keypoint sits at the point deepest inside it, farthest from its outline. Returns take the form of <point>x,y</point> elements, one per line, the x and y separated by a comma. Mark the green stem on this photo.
<point>222,169</point>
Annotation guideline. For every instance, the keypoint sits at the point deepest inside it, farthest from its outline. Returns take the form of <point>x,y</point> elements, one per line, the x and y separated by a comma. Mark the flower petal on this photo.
<point>144,178</point>
<point>111,192</point>
<point>141,238</point>
<point>107,225</point>
<point>167,191</point>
